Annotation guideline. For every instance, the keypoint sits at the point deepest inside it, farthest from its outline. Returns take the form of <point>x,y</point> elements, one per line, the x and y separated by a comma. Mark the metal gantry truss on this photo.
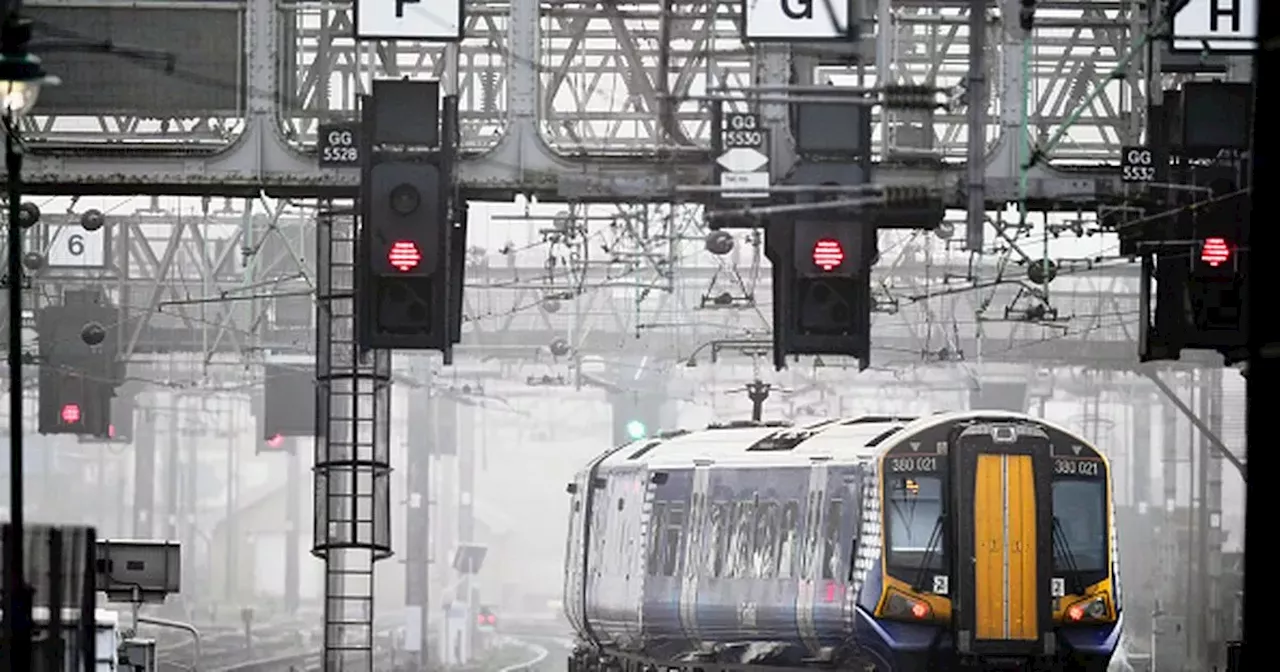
<point>231,285</point>
<point>579,101</point>
<point>588,101</point>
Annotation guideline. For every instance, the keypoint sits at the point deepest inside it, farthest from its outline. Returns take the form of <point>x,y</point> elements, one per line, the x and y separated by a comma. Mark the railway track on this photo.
<point>308,657</point>
<point>225,645</point>
<point>386,647</point>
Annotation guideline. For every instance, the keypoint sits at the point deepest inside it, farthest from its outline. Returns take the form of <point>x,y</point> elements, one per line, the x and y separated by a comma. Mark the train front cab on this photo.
<point>1009,606</point>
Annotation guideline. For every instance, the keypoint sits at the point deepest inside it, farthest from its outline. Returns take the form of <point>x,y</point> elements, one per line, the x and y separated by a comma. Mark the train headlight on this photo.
<point>901,607</point>
<point>1091,609</point>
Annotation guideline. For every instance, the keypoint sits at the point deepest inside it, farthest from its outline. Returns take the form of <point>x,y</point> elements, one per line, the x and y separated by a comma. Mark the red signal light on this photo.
<point>493,620</point>
<point>111,431</point>
<point>275,441</point>
<point>828,254</point>
<point>71,414</point>
<point>1215,252</point>
<point>404,256</point>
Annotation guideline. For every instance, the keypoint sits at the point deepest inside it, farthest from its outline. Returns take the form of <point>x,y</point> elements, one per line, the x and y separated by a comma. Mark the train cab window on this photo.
<point>1080,531</point>
<point>657,521</point>
<point>787,539</point>
<point>914,507</point>
<point>765,563</point>
<point>674,533</point>
<point>831,557</point>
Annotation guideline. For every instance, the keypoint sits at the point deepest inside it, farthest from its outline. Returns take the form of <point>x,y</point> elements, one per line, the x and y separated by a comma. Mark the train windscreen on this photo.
<point>1080,526</point>
<point>915,510</point>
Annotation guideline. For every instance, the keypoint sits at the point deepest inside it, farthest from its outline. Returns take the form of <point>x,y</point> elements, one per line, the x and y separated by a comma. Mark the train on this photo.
<point>958,541</point>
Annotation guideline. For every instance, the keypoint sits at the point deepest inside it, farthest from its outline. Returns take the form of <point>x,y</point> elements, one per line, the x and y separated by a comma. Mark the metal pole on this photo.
<point>465,445</point>
<point>17,614</point>
<point>976,83</point>
<point>293,538</point>
<point>171,470</point>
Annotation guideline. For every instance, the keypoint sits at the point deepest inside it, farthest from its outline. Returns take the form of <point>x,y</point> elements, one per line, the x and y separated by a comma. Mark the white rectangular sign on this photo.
<point>428,20</point>
<point>741,185</point>
<point>71,246</point>
<point>796,20</point>
<point>1225,25</point>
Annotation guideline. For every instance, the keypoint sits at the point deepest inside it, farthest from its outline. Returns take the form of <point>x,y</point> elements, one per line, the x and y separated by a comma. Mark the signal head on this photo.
<point>833,247</point>
<point>93,334</point>
<point>636,430</point>
<point>827,254</point>
<point>1215,252</point>
<point>405,199</point>
<point>404,255</point>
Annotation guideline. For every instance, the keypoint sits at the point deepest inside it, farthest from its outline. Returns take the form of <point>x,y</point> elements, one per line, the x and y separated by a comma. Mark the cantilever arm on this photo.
<point>177,625</point>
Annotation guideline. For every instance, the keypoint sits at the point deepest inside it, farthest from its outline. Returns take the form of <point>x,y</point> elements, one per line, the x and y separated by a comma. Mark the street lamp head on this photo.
<point>21,78</point>
<point>21,75</point>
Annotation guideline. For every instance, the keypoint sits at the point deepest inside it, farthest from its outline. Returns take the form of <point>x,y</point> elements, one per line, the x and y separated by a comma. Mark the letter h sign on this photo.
<point>1218,10</point>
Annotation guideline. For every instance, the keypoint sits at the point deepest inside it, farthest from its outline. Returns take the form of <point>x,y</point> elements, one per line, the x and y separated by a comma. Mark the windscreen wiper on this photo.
<point>935,538</point>
<point>1059,535</point>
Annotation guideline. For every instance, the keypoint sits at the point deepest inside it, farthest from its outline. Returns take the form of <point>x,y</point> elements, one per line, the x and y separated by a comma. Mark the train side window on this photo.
<point>735,540</point>
<point>809,553</point>
<point>723,548</point>
<point>831,557</point>
<point>657,521</point>
<point>766,547</point>
<point>787,539</point>
<point>715,530</point>
<point>746,538</point>
<point>675,527</point>
<point>696,530</point>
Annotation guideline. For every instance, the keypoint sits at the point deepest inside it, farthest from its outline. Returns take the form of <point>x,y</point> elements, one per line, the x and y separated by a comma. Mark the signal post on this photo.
<point>821,221</point>
<point>411,237</point>
<point>1193,258</point>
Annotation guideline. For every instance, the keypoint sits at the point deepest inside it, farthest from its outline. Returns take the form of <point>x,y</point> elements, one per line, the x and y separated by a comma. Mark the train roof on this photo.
<point>747,444</point>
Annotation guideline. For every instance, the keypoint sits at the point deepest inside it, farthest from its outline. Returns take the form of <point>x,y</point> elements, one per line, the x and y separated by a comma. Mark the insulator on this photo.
<point>906,195</point>
<point>910,96</point>
<point>489,91</point>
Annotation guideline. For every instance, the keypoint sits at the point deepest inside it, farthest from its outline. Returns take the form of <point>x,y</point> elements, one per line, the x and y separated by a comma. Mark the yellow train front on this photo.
<point>997,550</point>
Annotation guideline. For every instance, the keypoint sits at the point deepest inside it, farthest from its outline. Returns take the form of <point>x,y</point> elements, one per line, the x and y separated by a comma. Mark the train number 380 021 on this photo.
<point>1076,467</point>
<point>913,464</point>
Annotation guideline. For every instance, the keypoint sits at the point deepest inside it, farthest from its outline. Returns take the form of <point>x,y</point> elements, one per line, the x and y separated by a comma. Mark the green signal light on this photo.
<point>636,430</point>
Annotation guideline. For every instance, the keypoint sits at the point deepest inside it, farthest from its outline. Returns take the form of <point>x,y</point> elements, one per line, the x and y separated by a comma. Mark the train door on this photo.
<point>841,518</point>
<point>1001,486</point>
<point>665,529</point>
<point>576,554</point>
<point>811,556</point>
<point>694,549</point>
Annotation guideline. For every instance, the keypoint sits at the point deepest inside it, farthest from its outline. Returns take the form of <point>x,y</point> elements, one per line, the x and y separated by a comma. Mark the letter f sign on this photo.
<point>400,7</point>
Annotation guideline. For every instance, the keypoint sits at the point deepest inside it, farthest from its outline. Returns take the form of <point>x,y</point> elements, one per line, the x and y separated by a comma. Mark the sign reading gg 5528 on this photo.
<point>338,145</point>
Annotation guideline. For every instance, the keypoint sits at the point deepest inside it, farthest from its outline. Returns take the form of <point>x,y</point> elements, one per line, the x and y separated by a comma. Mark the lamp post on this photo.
<point>21,77</point>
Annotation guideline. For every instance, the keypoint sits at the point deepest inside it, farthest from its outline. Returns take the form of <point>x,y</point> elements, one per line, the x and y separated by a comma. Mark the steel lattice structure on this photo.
<point>568,100</point>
